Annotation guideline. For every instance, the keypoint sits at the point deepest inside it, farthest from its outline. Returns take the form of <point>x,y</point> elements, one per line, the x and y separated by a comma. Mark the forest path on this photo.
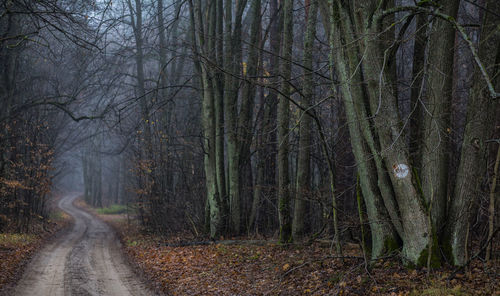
<point>83,261</point>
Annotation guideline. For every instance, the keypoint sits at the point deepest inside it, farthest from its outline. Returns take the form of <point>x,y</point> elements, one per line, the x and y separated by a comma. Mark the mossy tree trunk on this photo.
<point>388,183</point>
<point>435,144</point>
<point>478,127</point>
<point>345,61</point>
<point>214,205</point>
<point>388,125</point>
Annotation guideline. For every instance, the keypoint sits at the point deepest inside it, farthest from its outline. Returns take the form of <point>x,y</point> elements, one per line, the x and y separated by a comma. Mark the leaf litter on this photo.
<point>271,269</point>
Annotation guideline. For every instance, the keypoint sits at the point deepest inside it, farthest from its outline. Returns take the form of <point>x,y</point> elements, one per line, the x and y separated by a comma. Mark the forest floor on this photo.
<point>16,249</point>
<point>265,268</point>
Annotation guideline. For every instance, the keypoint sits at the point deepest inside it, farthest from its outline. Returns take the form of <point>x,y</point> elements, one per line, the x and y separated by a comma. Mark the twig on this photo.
<point>307,263</point>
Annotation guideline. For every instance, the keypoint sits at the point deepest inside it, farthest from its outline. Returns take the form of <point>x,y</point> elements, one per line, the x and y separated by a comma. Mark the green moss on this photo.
<point>391,244</point>
<point>15,240</point>
<point>435,258</point>
<point>447,249</point>
<point>282,204</point>
<point>132,243</point>
<point>335,279</point>
<point>409,265</point>
<point>57,215</point>
<point>420,189</point>
<point>439,289</point>
<point>360,213</point>
<point>425,3</point>
<point>222,249</point>
<point>112,210</point>
<point>285,234</point>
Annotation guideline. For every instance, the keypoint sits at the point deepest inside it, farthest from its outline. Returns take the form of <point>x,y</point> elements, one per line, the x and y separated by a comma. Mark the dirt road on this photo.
<point>84,261</point>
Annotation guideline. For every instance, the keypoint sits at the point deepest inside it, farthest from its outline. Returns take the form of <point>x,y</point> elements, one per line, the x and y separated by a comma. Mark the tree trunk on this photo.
<point>435,148</point>
<point>164,96</point>
<point>248,102</point>
<point>491,207</point>
<point>345,59</point>
<point>417,88</point>
<point>285,218</point>
<point>214,204</point>
<point>212,43</point>
<point>479,123</point>
<point>387,123</point>
<point>303,190</point>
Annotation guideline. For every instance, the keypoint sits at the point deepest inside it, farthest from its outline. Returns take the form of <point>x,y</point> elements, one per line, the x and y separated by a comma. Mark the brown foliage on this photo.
<point>270,269</point>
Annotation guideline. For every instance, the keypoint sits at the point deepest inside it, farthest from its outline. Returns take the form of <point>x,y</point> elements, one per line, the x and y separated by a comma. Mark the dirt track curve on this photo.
<point>84,261</point>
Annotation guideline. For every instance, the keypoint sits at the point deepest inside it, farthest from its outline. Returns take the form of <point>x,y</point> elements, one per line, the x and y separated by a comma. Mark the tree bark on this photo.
<point>232,67</point>
<point>214,205</point>
<point>491,207</point>
<point>247,105</point>
<point>285,218</point>
<point>304,158</point>
<point>479,123</point>
<point>384,238</point>
<point>417,88</point>
<point>434,165</point>
<point>215,57</point>
<point>388,125</point>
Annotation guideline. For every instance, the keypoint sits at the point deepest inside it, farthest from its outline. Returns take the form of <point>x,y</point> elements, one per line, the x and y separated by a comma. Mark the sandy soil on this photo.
<point>84,261</point>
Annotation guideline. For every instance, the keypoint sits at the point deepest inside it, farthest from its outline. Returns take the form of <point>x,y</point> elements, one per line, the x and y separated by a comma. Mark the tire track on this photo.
<point>85,261</point>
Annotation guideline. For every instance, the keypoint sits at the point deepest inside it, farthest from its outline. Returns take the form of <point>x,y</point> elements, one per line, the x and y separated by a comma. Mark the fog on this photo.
<point>281,118</point>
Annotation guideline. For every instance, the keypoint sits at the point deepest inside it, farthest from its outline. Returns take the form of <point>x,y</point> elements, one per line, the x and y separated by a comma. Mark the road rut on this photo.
<point>85,261</point>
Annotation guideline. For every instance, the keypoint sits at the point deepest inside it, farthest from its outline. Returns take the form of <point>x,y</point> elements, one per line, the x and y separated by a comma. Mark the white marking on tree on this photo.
<point>401,170</point>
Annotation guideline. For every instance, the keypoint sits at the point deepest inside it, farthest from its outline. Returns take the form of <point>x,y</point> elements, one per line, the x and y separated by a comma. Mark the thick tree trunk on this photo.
<point>479,123</point>
<point>435,148</point>
<point>232,66</point>
<point>417,233</point>
<point>247,105</point>
<point>231,110</point>
<point>285,218</point>
<point>214,205</point>
<point>213,196</point>
<point>212,43</point>
<point>345,62</point>
<point>304,158</point>
<point>417,88</point>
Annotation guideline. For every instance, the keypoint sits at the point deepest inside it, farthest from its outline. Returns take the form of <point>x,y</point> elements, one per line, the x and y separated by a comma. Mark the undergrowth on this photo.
<point>112,210</point>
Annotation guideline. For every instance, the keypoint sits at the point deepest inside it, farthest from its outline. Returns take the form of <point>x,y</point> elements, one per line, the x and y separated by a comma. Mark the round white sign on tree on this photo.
<point>401,170</point>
